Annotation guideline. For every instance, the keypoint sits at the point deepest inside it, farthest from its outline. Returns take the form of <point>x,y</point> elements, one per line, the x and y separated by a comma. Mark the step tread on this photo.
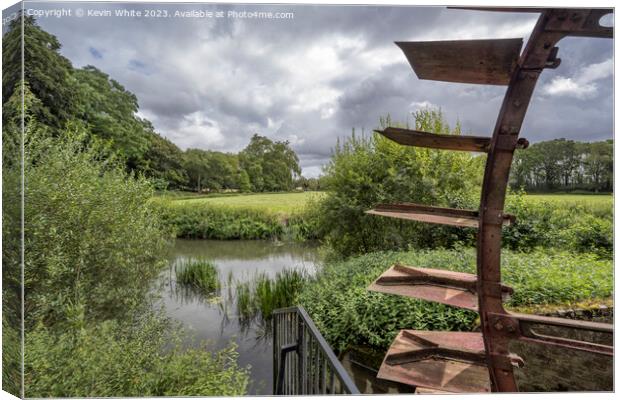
<point>487,61</point>
<point>433,370</point>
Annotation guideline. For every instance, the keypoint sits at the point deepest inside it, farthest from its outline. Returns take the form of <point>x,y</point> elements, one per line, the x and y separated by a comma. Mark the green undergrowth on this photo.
<point>348,314</point>
<point>112,359</point>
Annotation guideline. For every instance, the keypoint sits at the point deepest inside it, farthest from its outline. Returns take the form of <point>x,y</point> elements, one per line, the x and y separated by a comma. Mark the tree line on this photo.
<point>564,165</point>
<point>91,100</point>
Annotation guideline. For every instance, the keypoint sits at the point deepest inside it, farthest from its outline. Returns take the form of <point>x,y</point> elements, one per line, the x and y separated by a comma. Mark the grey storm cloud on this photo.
<point>212,83</point>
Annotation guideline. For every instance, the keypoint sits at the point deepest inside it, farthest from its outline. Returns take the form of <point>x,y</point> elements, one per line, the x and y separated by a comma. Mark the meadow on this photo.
<point>283,204</point>
<point>556,220</point>
<point>594,203</point>
<point>289,203</point>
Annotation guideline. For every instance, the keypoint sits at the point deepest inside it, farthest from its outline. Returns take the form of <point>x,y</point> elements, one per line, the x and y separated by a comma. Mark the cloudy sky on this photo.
<point>211,83</point>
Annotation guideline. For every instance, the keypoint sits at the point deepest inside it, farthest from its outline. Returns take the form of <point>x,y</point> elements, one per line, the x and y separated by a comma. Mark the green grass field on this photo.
<point>287,203</point>
<point>594,199</point>
<point>597,204</point>
<point>281,203</point>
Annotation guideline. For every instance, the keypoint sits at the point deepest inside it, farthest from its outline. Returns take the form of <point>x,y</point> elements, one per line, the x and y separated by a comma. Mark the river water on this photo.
<point>214,319</point>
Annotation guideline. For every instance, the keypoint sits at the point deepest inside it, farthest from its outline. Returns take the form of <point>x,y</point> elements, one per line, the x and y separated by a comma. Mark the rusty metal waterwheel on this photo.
<point>481,361</point>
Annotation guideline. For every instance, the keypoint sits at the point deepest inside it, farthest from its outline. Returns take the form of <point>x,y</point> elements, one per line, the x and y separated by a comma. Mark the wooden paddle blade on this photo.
<point>488,62</point>
<point>455,289</point>
<point>446,361</point>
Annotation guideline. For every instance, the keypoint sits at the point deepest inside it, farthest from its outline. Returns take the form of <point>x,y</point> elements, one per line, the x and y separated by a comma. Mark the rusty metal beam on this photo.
<point>446,361</point>
<point>540,53</point>
<point>583,21</point>
<point>580,22</point>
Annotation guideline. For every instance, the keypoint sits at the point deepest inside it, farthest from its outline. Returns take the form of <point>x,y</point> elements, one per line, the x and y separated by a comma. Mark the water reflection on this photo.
<point>214,318</point>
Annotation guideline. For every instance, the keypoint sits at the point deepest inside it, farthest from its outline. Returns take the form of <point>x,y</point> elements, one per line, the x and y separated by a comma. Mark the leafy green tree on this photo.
<point>271,166</point>
<point>110,112</point>
<point>196,166</point>
<point>11,233</point>
<point>105,108</point>
<point>93,240</point>
<point>48,74</point>
<point>562,164</point>
<point>244,182</point>
<point>599,164</point>
<point>91,234</point>
<point>106,112</point>
<point>163,161</point>
<point>569,161</point>
<point>12,183</point>
<point>222,170</point>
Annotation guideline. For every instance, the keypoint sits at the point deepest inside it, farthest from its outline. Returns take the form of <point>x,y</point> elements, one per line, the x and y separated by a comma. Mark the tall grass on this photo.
<point>245,306</point>
<point>263,295</point>
<point>198,273</point>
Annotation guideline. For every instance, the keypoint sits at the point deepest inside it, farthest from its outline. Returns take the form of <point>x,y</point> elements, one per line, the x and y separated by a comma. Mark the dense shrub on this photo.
<point>109,359</point>
<point>11,358</point>
<point>347,313</point>
<point>91,237</point>
<point>594,235</point>
<point>370,170</point>
<point>572,226</point>
<point>367,171</point>
<point>93,242</point>
<point>304,224</point>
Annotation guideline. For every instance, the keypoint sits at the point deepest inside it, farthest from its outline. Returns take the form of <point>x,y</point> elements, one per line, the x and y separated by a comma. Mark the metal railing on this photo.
<point>303,362</point>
